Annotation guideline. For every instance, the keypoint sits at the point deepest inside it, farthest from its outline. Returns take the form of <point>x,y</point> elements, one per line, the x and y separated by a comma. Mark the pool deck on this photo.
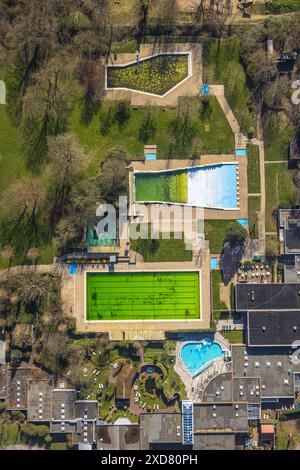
<point>160,165</point>
<point>189,87</point>
<point>73,295</point>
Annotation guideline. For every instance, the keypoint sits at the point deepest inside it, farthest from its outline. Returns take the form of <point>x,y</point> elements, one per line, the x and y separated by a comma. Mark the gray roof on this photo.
<point>214,441</point>
<point>2,352</point>
<point>39,400</point>
<point>87,409</point>
<point>289,222</point>
<point>3,387</point>
<point>292,270</point>
<point>221,417</point>
<point>17,387</point>
<point>63,404</point>
<point>273,328</point>
<point>272,365</point>
<point>267,296</point>
<point>160,428</point>
<point>114,437</point>
<point>219,389</point>
<point>246,389</point>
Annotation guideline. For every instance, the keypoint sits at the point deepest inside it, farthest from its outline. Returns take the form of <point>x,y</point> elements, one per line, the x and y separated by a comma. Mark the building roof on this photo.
<point>124,382</point>
<point>2,352</point>
<point>273,328</point>
<point>114,437</point>
<point>17,387</point>
<point>219,389</point>
<point>220,417</point>
<point>3,387</point>
<point>289,230</point>
<point>267,429</point>
<point>160,428</point>
<point>267,297</point>
<point>246,389</point>
<point>63,404</point>
<point>295,149</point>
<point>39,400</point>
<point>292,270</point>
<point>214,441</point>
<point>274,366</point>
<point>87,409</point>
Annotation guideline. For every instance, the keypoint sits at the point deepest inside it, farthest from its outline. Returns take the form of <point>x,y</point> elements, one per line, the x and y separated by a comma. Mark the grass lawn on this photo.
<point>282,6</point>
<point>162,250</point>
<point>217,304</point>
<point>283,430</point>
<point>280,191</point>
<point>215,233</point>
<point>162,187</point>
<point>253,209</point>
<point>208,130</point>
<point>272,245</point>
<point>10,433</point>
<point>11,158</point>
<point>224,67</point>
<point>277,135</point>
<point>253,169</point>
<point>234,336</point>
<point>143,296</point>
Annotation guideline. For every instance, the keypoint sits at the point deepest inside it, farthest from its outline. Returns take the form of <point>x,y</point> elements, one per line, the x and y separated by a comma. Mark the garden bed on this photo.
<point>156,75</point>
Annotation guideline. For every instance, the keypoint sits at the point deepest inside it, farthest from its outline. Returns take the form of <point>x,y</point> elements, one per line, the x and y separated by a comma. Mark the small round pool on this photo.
<point>195,355</point>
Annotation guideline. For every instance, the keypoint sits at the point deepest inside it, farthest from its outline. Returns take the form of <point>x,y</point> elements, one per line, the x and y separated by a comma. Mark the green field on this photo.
<point>143,296</point>
<point>162,187</point>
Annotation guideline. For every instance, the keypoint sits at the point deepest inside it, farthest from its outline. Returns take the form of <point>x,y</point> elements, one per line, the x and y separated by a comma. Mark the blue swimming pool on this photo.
<point>195,355</point>
<point>213,186</point>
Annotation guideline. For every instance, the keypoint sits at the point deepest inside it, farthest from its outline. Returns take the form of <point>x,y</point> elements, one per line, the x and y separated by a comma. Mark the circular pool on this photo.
<point>195,356</point>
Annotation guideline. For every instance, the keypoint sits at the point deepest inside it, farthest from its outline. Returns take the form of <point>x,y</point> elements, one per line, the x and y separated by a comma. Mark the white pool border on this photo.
<point>144,320</point>
<point>117,66</point>
<point>184,203</point>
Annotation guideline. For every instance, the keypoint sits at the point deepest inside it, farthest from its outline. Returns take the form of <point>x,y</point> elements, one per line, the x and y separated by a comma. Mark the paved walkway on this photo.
<point>240,139</point>
<point>15,270</point>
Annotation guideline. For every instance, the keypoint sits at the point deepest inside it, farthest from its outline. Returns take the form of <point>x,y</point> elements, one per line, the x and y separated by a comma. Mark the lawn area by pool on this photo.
<point>195,355</point>
<point>143,296</point>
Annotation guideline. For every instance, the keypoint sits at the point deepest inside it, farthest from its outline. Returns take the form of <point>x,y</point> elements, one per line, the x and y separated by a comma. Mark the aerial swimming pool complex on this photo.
<point>143,295</point>
<point>209,186</point>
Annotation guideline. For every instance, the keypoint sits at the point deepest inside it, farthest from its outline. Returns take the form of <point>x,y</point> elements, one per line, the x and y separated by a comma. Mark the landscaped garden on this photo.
<point>156,75</point>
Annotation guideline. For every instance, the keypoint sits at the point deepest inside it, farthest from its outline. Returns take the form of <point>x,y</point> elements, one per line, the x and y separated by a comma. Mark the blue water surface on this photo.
<point>196,355</point>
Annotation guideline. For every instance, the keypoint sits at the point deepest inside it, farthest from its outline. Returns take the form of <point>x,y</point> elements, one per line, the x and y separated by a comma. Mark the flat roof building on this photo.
<point>115,437</point>
<point>39,400</point>
<point>160,431</point>
<point>267,297</point>
<point>273,328</point>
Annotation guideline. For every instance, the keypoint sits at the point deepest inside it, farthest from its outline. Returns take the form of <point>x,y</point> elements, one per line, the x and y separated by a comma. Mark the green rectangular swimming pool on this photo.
<point>143,296</point>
